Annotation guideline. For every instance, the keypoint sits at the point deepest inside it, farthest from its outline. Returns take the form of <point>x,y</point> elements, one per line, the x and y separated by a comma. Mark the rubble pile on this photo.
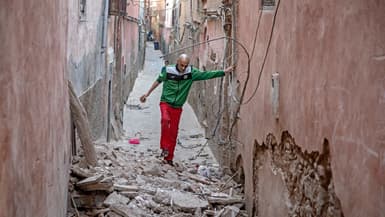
<point>129,183</point>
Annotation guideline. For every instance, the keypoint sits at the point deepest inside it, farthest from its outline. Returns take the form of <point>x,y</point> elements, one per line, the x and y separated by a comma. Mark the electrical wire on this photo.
<point>148,7</point>
<point>207,41</point>
<point>254,40</point>
<point>220,110</point>
<point>266,54</point>
<point>256,33</point>
<point>248,56</point>
<point>241,101</point>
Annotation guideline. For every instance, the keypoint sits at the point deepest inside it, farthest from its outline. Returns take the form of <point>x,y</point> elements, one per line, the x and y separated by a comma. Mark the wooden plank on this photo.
<point>225,201</point>
<point>90,181</point>
<point>79,172</point>
<point>79,116</point>
<point>101,186</point>
<point>126,187</point>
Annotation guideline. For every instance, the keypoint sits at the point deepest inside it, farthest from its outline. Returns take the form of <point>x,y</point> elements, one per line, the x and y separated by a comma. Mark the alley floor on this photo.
<point>143,119</point>
<point>131,179</point>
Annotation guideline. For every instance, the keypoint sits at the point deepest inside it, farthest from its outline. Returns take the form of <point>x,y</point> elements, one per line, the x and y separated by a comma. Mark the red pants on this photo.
<point>169,128</point>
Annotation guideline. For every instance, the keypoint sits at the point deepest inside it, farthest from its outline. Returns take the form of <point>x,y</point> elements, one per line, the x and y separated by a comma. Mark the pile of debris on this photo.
<point>132,184</point>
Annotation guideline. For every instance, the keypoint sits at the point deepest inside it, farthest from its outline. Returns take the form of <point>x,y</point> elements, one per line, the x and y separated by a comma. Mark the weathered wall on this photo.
<point>131,52</point>
<point>157,12</point>
<point>123,63</point>
<point>330,59</point>
<point>86,61</point>
<point>34,109</point>
<point>142,16</point>
<point>206,97</point>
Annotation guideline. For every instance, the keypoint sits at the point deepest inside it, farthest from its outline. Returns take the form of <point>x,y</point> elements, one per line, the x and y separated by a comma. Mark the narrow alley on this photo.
<point>131,179</point>
<point>146,116</point>
<point>192,108</point>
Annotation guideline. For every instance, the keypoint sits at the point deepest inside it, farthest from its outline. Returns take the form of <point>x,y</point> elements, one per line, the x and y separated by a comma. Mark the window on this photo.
<point>268,4</point>
<point>82,9</point>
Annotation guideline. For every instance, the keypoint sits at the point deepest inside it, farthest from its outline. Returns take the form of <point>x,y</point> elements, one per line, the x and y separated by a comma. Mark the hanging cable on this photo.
<point>207,41</point>
<point>148,7</point>
<point>266,54</point>
<point>241,102</point>
<point>248,56</point>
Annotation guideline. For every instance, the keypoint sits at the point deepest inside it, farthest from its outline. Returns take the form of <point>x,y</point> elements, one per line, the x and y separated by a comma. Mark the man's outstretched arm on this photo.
<point>152,88</point>
<point>198,75</point>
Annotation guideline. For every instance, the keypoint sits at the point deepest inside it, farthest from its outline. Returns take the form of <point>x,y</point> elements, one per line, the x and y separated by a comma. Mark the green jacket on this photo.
<point>176,86</point>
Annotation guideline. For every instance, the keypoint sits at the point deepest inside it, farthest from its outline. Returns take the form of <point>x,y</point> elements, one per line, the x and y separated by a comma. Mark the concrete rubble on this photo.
<point>131,184</point>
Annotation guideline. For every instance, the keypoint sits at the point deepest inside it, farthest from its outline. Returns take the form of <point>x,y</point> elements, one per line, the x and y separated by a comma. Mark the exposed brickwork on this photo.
<point>306,176</point>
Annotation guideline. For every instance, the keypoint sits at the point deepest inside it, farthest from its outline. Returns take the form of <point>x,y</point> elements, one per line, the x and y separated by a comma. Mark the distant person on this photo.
<point>177,80</point>
<point>149,36</point>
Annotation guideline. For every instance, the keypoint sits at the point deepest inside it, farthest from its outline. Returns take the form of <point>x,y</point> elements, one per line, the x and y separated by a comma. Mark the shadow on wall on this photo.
<point>239,171</point>
<point>307,176</point>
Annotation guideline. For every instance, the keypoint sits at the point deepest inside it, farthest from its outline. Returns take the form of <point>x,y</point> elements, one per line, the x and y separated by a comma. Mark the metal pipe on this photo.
<point>104,60</point>
<point>105,27</point>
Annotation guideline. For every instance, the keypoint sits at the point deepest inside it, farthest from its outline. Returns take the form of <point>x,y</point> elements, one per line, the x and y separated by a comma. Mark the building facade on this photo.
<point>104,59</point>
<point>95,45</point>
<point>34,108</point>
<point>322,77</point>
<point>301,119</point>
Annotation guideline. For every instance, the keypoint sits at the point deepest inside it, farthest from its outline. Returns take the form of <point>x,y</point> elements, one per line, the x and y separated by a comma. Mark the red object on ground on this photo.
<point>134,141</point>
<point>169,128</point>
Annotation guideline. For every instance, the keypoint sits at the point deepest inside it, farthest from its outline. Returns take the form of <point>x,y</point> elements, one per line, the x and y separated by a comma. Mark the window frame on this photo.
<point>268,5</point>
<point>82,10</point>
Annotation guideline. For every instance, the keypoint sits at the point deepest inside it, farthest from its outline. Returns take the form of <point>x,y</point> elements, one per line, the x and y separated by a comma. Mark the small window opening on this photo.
<point>268,4</point>
<point>82,9</point>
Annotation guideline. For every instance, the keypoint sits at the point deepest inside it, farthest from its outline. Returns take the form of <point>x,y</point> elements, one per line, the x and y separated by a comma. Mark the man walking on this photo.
<point>177,80</point>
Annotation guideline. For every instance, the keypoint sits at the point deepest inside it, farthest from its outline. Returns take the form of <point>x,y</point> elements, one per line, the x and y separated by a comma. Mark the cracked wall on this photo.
<point>306,177</point>
<point>91,65</point>
<point>331,85</point>
<point>86,64</point>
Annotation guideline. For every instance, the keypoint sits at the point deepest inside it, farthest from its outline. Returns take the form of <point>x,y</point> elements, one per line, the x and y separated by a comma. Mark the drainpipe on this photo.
<point>232,80</point>
<point>227,27</point>
<point>105,66</point>
<point>105,28</point>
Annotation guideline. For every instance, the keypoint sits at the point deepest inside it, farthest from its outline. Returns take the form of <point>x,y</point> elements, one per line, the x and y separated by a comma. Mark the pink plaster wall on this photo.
<point>130,50</point>
<point>34,109</point>
<point>130,34</point>
<point>203,52</point>
<point>330,56</point>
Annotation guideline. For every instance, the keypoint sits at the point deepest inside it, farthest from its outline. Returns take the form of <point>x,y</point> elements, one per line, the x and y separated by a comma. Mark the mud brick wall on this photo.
<point>307,179</point>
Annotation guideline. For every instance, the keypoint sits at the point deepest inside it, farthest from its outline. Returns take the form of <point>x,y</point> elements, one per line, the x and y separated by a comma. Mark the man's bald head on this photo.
<point>182,62</point>
<point>184,57</point>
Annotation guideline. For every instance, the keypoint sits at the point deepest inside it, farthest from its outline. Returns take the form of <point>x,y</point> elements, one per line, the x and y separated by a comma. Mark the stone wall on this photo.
<point>285,174</point>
